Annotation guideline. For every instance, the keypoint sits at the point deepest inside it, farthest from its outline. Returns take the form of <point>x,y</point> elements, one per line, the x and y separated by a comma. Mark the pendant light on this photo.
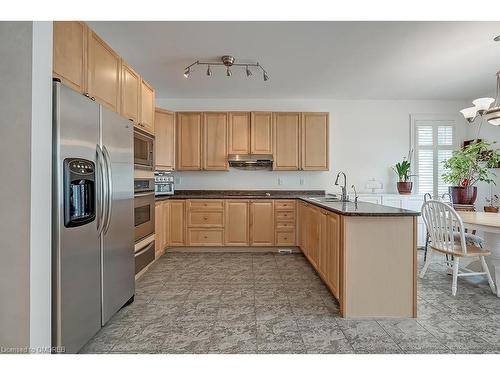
<point>493,115</point>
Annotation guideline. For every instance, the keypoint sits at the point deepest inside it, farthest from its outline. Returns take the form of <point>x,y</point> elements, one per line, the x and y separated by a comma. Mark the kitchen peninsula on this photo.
<point>365,253</point>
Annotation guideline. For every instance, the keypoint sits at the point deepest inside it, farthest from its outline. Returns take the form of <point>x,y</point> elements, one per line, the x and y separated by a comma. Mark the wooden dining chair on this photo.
<point>447,236</point>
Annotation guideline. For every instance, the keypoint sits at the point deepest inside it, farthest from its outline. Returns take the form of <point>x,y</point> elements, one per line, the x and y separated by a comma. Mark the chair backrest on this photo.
<point>442,223</point>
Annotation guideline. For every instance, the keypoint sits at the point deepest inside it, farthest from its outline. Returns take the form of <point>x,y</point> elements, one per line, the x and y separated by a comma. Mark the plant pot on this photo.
<point>463,194</point>
<point>491,209</point>
<point>405,187</point>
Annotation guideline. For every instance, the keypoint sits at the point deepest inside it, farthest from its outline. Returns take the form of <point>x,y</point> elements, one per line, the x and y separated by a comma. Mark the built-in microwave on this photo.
<point>143,150</point>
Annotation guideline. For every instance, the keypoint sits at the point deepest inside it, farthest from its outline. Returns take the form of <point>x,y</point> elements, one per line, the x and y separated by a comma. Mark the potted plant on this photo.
<point>493,204</point>
<point>466,167</point>
<point>402,169</point>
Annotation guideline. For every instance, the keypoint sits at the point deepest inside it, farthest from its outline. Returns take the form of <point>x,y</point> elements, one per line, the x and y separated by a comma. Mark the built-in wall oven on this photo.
<point>144,222</point>
<point>143,150</point>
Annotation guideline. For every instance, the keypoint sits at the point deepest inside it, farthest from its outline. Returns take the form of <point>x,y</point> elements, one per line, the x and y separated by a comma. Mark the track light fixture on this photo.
<point>228,62</point>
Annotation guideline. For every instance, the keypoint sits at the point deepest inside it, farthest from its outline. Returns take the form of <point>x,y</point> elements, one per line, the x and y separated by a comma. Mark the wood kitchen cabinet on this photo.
<point>189,135</point>
<point>147,107</point>
<point>313,234</point>
<point>239,133</point>
<point>261,133</point>
<point>286,137</point>
<point>70,54</point>
<point>215,141</point>
<point>330,259</point>
<point>262,223</point>
<point>162,212</point>
<point>236,223</point>
<point>164,139</point>
<point>176,223</point>
<point>103,73</point>
<point>314,141</point>
<point>130,93</point>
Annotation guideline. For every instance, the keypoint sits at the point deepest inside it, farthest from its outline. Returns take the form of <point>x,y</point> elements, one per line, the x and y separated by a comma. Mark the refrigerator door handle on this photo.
<point>102,190</point>
<point>109,181</point>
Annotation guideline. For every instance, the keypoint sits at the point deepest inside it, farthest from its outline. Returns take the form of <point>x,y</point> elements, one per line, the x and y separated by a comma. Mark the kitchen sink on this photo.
<point>326,199</point>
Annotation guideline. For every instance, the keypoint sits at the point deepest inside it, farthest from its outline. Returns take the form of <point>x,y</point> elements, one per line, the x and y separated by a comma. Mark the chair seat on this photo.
<point>472,251</point>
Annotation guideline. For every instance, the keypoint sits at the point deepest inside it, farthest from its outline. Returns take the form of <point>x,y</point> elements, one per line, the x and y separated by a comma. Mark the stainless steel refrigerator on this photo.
<point>93,217</point>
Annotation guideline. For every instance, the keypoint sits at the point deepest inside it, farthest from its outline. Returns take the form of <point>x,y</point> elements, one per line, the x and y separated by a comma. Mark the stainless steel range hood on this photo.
<point>251,162</point>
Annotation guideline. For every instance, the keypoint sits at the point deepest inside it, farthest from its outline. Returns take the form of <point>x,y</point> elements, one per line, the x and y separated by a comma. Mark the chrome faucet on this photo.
<point>355,194</point>
<point>344,198</point>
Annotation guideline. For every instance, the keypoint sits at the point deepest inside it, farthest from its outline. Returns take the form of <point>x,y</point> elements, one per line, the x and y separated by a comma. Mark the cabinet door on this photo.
<point>130,88</point>
<point>147,108</point>
<point>164,139</point>
<point>286,127</point>
<point>176,223</point>
<point>302,226</point>
<point>262,223</point>
<point>261,133</point>
<point>188,150</point>
<point>314,139</point>
<point>323,249</point>
<point>313,235</point>
<point>103,73</point>
<point>215,141</point>
<point>333,248</point>
<point>239,133</point>
<point>236,227</point>
<point>70,53</point>
<point>166,225</point>
<point>159,232</point>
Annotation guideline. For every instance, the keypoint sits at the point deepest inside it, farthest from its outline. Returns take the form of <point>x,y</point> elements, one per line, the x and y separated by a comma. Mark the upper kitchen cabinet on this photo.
<point>164,139</point>
<point>215,141</point>
<point>147,107</point>
<point>103,74</point>
<point>286,136</point>
<point>188,134</point>
<point>239,133</point>
<point>70,53</point>
<point>314,139</point>
<point>261,133</point>
<point>130,93</point>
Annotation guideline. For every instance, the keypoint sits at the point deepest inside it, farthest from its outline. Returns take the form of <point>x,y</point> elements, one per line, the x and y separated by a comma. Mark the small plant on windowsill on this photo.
<point>493,204</point>
<point>402,169</point>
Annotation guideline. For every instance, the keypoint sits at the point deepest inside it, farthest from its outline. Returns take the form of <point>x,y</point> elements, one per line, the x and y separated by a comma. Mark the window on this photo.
<point>433,141</point>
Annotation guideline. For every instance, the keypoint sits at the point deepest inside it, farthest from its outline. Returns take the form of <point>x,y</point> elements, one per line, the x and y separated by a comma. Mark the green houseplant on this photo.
<point>466,167</point>
<point>402,169</point>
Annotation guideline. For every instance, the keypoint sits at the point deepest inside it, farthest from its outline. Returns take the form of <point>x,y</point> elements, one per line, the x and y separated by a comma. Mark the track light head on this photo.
<point>266,77</point>
<point>228,72</point>
<point>187,72</point>
<point>209,71</point>
<point>249,72</point>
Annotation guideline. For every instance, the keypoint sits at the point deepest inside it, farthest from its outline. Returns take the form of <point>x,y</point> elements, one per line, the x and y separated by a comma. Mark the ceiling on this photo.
<point>337,60</point>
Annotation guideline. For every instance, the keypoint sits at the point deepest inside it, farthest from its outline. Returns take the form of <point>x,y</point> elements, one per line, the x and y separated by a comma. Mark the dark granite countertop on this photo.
<point>360,209</point>
<point>342,208</point>
<point>240,194</point>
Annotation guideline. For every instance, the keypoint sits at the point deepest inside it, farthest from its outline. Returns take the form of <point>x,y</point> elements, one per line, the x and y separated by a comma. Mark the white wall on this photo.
<point>366,138</point>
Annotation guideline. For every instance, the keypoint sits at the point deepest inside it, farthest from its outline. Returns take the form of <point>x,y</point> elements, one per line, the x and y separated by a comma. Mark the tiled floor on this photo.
<point>269,303</point>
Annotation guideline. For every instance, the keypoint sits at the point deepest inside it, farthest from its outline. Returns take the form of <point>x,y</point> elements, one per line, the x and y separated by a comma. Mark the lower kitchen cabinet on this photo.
<point>205,237</point>
<point>162,209</point>
<point>176,223</point>
<point>262,223</point>
<point>237,231</point>
<point>331,245</point>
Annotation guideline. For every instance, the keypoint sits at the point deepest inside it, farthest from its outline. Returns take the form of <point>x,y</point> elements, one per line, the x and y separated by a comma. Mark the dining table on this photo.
<point>488,224</point>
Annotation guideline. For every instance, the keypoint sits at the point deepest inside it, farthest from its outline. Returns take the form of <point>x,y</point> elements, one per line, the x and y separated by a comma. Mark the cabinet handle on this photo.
<point>205,218</point>
<point>86,94</point>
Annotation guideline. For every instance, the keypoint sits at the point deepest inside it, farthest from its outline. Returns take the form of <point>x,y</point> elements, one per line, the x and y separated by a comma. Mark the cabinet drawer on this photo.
<point>205,204</point>
<point>209,218</point>
<point>205,237</point>
<point>286,225</point>
<point>284,205</point>
<point>285,238</point>
<point>285,216</point>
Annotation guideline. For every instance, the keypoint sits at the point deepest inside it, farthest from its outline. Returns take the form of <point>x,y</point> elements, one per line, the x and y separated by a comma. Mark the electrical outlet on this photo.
<point>301,180</point>
<point>280,181</point>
